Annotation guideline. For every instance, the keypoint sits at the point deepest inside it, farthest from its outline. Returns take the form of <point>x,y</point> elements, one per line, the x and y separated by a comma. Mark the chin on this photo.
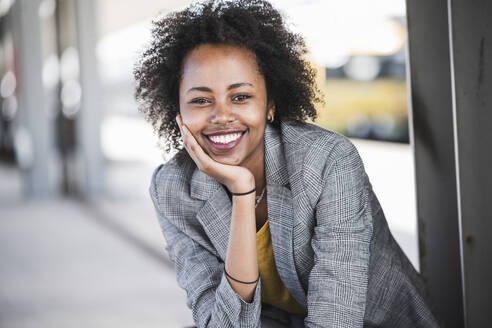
<point>227,160</point>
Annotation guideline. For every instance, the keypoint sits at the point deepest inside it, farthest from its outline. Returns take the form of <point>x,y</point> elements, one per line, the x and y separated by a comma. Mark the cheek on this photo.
<point>195,126</point>
<point>187,117</point>
<point>259,124</point>
<point>193,121</point>
<point>255,116</point>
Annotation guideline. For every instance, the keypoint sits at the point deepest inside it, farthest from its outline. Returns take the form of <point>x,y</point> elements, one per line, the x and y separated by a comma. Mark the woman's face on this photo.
<point>223,102</point>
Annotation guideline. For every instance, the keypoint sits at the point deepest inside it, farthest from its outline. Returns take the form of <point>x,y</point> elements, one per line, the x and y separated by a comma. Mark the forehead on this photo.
<point>220,64</point>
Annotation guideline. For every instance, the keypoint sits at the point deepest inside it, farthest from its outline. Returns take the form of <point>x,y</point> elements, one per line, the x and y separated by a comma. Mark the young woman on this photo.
<point>268,219</point>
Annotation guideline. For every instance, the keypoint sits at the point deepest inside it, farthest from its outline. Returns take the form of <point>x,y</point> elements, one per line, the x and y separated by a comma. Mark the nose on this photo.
<point>222,113</point>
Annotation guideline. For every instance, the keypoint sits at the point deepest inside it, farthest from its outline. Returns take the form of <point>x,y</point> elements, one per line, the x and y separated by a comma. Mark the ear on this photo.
<point>271,108</point>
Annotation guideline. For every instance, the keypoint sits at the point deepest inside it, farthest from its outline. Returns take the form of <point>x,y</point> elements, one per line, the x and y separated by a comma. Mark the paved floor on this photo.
<point>61,267</point>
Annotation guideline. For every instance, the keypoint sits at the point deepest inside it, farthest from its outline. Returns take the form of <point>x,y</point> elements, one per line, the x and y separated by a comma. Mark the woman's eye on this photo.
<point>240,98</point>
<point>199,101</point>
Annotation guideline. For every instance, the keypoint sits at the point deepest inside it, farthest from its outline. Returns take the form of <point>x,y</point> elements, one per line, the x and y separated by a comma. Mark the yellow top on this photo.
<point>273,290</point>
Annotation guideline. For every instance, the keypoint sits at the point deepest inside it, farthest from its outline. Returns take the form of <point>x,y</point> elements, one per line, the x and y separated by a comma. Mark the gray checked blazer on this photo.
<point>332,246</point>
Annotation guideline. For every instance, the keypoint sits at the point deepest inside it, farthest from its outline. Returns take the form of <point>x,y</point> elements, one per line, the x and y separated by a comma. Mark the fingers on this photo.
<point>201,159</point>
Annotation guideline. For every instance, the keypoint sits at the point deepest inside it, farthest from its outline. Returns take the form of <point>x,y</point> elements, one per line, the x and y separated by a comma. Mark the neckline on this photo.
<point>262,229</point>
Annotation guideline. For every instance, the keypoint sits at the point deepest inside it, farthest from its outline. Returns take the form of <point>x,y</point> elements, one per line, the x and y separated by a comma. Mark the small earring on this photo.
<point>270,119</point>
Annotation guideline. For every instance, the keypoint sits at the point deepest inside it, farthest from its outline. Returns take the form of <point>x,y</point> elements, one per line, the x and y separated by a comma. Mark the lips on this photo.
<point>225,140</point>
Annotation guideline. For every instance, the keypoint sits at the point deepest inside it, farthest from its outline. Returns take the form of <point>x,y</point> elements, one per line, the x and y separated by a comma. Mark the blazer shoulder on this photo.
<point>175,173</point>
<point>321,147</point>
<point>313,151</point>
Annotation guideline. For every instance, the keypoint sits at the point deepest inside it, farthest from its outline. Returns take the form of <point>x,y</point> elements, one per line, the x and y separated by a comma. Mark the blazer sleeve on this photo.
<point>341,242</point>
<point>200,273</point>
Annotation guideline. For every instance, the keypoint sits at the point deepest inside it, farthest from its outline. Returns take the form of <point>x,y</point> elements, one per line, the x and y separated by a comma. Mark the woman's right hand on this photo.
<point>237,179</point>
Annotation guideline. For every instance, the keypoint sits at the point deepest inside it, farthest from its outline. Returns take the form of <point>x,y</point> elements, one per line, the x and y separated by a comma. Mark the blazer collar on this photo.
<point>215,214</point>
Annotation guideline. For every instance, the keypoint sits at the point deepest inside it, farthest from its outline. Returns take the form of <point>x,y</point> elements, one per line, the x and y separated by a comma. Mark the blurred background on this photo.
<point>79,240</point>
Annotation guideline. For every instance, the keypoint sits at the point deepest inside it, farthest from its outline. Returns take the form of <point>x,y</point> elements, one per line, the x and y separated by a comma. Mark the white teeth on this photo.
<point>225,138</point>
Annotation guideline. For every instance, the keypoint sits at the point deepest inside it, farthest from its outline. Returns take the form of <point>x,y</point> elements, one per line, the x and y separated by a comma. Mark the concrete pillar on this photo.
<point>35,139</point>
<point>470,30</point>
<point>89,121</point>
<point>450,75</point>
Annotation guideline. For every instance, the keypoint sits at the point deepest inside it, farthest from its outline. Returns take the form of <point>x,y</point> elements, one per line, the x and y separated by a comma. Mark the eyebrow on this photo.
<point>237,85</point>
<point>232,86</point>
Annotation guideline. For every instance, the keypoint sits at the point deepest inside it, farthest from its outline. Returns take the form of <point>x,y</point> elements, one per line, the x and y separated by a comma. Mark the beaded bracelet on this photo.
<point>243,193</point>
<point>242,282</point>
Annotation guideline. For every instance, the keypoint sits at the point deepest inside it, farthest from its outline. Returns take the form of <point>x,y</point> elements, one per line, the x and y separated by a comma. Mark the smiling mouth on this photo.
<point>225,141</point>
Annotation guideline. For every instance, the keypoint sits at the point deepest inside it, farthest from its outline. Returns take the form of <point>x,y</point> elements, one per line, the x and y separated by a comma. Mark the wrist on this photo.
<point>242,190</point>
<point>251,192</point>
<point>243,185</point>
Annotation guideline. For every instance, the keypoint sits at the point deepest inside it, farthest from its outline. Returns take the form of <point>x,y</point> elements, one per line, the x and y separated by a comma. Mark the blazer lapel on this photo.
<point>215,214</point>
<point>281,213</point>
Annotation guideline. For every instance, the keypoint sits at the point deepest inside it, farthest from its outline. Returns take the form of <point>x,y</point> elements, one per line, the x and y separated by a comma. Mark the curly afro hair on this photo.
<point>253,24</point>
